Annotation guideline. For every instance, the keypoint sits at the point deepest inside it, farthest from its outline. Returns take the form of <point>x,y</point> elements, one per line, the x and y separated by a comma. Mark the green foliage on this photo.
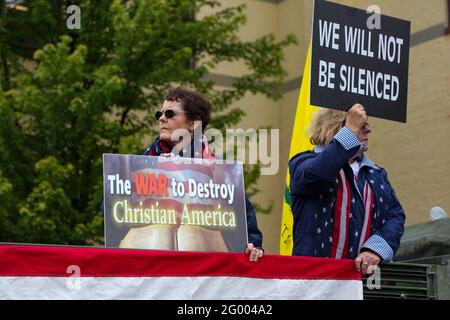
<point>67,96</point>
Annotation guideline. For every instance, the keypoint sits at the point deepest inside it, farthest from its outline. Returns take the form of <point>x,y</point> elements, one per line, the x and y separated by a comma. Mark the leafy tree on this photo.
<point>67,96</point>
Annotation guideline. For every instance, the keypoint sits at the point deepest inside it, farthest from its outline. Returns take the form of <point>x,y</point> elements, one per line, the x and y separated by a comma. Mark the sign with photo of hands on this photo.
<point>178,203</point>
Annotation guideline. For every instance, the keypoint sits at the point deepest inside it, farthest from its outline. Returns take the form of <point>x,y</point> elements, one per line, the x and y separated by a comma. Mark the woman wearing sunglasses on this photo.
<point>185,109</point>
<point>343,204</point>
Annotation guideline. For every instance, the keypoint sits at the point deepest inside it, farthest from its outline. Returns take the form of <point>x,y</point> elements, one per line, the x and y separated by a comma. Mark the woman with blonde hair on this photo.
<point>343,204</point>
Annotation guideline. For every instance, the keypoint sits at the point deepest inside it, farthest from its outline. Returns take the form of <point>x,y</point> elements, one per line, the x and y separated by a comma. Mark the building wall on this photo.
<point>416,154</point>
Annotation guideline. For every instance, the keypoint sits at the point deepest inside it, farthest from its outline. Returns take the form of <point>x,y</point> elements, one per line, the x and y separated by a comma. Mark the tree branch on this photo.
<point>123,118</point>
<point>6,84</point>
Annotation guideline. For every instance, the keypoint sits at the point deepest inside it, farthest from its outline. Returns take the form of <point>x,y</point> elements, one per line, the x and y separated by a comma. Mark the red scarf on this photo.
<point>159,147</point>
<point>342,216</point>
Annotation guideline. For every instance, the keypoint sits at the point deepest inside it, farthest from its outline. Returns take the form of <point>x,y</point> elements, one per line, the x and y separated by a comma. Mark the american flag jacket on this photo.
<point>336,214</point>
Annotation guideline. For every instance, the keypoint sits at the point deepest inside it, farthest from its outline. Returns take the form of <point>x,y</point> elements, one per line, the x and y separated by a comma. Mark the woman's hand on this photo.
<point>356,118</point>
<point>167,155</point>
<point>366,260</point>
<point>254,253</point>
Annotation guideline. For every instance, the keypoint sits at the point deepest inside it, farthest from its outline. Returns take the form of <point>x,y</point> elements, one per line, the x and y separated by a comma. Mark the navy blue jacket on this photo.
<point>254,234</point>
<point>313,187</point>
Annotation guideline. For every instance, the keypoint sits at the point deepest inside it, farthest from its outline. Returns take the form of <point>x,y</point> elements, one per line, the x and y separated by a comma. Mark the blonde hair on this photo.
<point>325,124</point>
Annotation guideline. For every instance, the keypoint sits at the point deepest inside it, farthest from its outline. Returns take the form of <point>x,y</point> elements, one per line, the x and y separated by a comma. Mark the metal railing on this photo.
<point>418,281</point>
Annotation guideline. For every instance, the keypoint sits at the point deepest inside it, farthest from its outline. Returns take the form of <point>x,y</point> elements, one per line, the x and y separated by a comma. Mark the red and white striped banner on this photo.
<point>57,272</point>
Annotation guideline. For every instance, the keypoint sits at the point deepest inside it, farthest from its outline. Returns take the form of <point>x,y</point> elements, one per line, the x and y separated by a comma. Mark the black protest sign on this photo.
<point>359,57</point>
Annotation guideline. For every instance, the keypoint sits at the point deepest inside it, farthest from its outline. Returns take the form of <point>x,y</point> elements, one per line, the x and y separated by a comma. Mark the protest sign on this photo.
<point>359,57</point>
<point>178,203</point>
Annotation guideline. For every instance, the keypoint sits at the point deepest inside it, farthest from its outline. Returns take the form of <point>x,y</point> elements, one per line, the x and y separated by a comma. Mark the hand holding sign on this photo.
<point>356,118</point>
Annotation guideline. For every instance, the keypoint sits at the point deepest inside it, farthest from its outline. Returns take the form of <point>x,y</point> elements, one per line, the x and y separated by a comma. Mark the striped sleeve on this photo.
<point>380,246</point>
<point>347,138</point>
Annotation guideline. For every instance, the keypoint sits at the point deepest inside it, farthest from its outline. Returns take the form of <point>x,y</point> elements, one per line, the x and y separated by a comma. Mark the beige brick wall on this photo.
<point>416,155</point>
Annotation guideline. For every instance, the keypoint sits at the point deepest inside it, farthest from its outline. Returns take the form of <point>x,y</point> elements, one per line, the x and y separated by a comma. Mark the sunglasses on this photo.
<point>169,113</point>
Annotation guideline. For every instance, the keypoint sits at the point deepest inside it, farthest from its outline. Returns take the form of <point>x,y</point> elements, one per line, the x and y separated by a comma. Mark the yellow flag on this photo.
<point>299,142</point>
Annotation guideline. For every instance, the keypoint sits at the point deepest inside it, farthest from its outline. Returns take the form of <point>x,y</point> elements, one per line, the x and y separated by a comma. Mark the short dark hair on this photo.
<point>196,106</point>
